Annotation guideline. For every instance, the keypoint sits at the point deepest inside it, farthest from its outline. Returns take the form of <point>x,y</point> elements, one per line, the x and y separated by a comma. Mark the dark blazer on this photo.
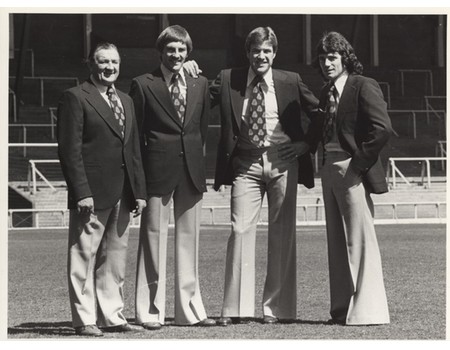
<point>293,97</point>
<point>168,147</point>
<point>363,127</point>
<point>95,160</point>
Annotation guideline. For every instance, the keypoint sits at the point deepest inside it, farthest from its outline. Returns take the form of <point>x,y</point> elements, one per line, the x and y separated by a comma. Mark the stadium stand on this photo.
<point>417,105</point>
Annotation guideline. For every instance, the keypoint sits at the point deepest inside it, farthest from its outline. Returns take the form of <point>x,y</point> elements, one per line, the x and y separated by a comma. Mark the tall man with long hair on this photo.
<point>356,126</point>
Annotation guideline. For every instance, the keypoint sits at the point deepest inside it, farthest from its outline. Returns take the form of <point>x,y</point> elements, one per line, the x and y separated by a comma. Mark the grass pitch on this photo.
<point>414,263</point>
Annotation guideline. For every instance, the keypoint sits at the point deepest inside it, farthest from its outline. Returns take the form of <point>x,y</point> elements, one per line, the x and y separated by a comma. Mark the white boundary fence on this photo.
<point>426,169</point>
<point>212,215</point>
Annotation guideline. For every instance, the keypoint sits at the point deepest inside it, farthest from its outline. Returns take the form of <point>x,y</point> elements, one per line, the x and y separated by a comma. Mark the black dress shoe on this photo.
<point>90,330</point>
<point>122,328</point>
<point>152,326</point>
<point>335,321</point>
<point>207,322</point>
<point>226,321</point>
<point>270,320</point>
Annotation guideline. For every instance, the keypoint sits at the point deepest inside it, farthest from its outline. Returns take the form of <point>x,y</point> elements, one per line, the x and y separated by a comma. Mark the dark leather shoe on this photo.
<point>120,328</point>
<point>90,330</point>
<point>270,320</point>
<point>335,321</point>
<point>226,321</point>
<point>152,326</point>
<point>207,322</point>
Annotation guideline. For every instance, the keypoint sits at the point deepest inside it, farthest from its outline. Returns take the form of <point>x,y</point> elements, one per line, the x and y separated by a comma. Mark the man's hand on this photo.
<point>85,205</point>
<point>192,68</point>
<point>140,205</point>
<point>291,151</point>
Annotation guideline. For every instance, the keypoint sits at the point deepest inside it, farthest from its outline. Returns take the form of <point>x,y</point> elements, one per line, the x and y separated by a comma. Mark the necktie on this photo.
<point>330,115</point>
<point>257,130</point>
<point>177,98</point>
<point>117,109</point>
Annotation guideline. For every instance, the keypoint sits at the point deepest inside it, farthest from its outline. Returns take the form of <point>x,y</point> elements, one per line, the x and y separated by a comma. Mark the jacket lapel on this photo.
<point>238,85</point>
<point>94,98</point>
<point>158,88</point>
<point>345,101</point>
<point>279,79</point>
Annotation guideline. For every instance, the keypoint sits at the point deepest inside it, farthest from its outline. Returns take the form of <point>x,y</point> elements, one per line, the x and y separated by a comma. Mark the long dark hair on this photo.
<point>336,42</point>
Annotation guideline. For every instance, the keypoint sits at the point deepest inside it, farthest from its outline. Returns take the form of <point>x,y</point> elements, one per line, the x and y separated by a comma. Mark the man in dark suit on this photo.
<point>263,148</point>
<point>101,162</point>
<point>356,126</point>
<point>172,110</point>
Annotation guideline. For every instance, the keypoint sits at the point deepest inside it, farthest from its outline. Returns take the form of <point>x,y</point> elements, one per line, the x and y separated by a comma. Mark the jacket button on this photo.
<point>123,166</point>
<point>182,133</point>
<point>181,154</point>
<point>235,137</point>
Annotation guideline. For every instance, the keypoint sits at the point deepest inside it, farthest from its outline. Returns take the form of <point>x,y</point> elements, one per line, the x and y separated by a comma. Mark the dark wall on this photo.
<point>56,39</point>
<point>405,41</point>
<point>408,41</point>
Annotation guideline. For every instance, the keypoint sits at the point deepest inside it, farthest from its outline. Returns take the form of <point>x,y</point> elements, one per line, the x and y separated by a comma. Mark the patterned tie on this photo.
<point>330,117</point>
<point>117,109</point>
<point>257,130</point>
<point>177,98</point>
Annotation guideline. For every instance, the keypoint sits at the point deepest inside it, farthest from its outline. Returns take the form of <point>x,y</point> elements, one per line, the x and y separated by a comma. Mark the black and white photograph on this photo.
<point>237,173</point>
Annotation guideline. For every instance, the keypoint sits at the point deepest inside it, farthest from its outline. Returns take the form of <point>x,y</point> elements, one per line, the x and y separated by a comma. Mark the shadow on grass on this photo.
<point>47,328</point>
<point>65,329</point>
<point>43,328</point>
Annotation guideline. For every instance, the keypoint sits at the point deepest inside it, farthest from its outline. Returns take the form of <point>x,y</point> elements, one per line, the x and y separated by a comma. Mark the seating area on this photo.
<point>415,158</point>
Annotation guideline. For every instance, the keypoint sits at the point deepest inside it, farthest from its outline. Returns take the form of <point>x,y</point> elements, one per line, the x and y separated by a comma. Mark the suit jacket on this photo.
<point>168,147</point>
<point>96,161</point>
<point>363,128</point>
<point>293,97</point>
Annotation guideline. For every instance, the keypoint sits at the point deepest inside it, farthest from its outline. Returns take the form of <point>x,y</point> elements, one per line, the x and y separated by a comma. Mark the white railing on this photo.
<point>25,128</point>
<point>393,218</point>
<point>34,214</point>
<point>34,173</point>
<point>413,113</point>
<point>52,111</point>
<point>426,169</point>
<point>428,78</point>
